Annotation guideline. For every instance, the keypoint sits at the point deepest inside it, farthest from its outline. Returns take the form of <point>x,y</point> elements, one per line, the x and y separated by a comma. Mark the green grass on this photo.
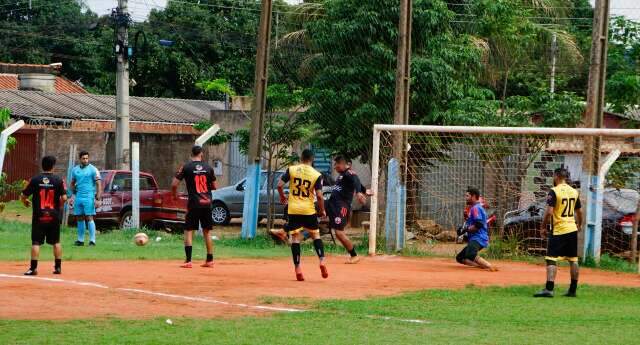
<point>470,316</point>
<point>15,239</point>
<point>16,208</point>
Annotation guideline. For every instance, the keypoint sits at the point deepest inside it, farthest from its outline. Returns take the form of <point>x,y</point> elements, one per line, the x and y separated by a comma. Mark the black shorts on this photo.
<point>563,247</point>
<point>197,217</point>
<point>338,213</point>
<point>298,223</point>
<point>470,252</point>
<point>41,232</point>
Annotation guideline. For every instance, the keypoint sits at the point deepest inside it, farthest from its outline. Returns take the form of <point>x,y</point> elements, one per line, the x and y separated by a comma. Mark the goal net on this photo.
<point>421,174</point>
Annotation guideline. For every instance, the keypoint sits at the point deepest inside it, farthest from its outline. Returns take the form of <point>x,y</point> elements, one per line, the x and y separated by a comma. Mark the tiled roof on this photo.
<point>9,81</point>
<point>73,106</point>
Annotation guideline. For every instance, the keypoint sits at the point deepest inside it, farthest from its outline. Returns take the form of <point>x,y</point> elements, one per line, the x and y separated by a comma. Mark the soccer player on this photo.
<point>477,232</point>
<point>87,195</point>
<point>339,206</point>
<point>563,207</point>
<point>305,185</point>
<point>49,193</point>
<point>200,181</point>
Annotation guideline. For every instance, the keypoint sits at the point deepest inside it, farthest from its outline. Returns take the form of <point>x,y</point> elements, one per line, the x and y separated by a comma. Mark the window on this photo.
<point>121,182</point>
<point>146,183</point>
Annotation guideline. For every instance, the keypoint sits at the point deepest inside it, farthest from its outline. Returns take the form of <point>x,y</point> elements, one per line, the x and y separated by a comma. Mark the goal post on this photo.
<point>513,168</point>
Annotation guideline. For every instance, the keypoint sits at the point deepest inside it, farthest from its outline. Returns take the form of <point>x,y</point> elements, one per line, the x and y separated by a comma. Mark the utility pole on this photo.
<point>401,117</point>
<point>252,186</point>
<point>554,52</point>
<point>594,119</point>
<point>122,19</point>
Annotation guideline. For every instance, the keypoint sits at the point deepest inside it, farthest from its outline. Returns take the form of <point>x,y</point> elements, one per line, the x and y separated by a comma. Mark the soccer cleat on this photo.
<point>187,265</point>
<point>353,260</point>
<point>299,277</point>
<point>544,293</point>
<point>57,270</point>
<point>79,243</point>
<point>92,244</point>
<point>570,294</point>
<point>31,272</point>
<point>324,271</point>
<point>207,264</point>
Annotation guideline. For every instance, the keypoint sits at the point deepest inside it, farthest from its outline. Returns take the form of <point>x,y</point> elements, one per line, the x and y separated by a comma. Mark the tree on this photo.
<point>623,70</point>
<point>6,187</point>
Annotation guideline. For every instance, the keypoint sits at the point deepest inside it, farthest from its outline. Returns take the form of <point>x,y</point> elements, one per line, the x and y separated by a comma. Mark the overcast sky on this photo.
<point>141,8</point>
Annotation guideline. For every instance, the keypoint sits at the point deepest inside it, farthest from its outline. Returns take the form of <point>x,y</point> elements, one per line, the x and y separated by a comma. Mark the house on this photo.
<point>12,75</point>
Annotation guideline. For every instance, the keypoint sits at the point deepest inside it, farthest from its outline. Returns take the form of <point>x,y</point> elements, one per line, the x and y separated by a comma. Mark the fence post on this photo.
<point>135,185</point>
<point>72,159</point>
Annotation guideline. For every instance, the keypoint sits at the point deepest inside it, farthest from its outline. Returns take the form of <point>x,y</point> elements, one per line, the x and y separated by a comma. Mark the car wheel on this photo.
<point>126,220</point>
<point>220,214</point>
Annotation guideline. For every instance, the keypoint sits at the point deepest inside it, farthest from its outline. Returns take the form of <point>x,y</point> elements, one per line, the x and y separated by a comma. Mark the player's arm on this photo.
<point>476,220</point>
<point>176,181</point>
<point>360,190</point>
<point>320,198</point>
<point>548,213</point>
<point>579,216</point>
<point>27,192</point>
<point>62,192</point>
<point>283,180</point>
<point>212,177</point>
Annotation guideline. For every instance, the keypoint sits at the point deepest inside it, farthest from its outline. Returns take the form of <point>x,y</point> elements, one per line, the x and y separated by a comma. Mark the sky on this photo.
<point>140,8</point>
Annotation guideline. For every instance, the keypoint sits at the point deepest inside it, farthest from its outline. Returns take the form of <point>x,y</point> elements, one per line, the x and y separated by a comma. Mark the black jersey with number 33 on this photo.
<point>47,189</point>
<point>199,178</point>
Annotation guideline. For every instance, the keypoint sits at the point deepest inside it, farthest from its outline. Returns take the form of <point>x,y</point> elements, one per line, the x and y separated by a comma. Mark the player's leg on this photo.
<point>90,212</point>
<point>53,238</point>
<point>482,263</point>
<point>78,210</point>
<point>188,248</point>
<point>319,248</point>
<point>552,271</point>
<point>463,257</point>
<point>37,238</point>
<point>571,252</point>
<point>338,219</point>
<point>296,238</point>
<point>207,224</point>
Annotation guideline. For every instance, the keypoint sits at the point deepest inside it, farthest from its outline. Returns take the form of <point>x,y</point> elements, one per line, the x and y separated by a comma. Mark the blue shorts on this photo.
<point>84,207</point>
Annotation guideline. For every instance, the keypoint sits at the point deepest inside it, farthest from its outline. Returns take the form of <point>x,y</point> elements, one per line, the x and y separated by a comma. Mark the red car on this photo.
<point>157,206</point>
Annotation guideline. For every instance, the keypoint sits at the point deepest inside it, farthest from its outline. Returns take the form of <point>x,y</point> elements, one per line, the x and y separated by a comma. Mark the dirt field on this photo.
<point>146,289</point>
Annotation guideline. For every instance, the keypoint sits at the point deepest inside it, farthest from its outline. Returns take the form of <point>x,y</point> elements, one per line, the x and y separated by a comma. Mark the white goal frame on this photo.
<point>577,132</point>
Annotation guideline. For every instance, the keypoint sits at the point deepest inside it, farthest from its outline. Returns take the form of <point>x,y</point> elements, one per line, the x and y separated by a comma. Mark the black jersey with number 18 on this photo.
<point>199,178</point>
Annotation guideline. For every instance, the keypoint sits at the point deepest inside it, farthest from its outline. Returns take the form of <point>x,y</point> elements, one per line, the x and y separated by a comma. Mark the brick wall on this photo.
<point>57,143</point>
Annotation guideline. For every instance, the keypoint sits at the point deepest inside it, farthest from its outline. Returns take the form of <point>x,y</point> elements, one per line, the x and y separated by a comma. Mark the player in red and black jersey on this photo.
<point>49,194</point>
<point>339,205</point>
<point>200,181</point>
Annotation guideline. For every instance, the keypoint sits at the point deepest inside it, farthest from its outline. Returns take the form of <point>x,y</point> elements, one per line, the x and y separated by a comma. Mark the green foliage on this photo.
<point>217,85</point>
<point>623,70</point>
<point>623,173</point>
<point>611,263</point>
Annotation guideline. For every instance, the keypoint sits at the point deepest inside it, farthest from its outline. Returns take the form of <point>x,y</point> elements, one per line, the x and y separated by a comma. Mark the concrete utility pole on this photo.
<point>594,119</point>
<point>554,52</point>
<point>121,17</point>
<point>252,186</point>
<point>401,117</point>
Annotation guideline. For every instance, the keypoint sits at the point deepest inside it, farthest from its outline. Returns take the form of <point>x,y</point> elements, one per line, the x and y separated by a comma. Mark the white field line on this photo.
<point>193,299</point>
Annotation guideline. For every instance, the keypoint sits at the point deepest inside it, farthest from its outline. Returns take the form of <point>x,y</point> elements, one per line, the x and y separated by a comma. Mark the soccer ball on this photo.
<point>141,239</point>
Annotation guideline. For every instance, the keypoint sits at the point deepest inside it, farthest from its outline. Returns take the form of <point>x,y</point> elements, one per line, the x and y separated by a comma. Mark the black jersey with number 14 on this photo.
<point>199,178</point>
<point>47,189</point>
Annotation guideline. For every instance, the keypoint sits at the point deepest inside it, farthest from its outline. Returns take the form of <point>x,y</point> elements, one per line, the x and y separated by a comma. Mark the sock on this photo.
<point>352,252</point>
<point>574,286</point>
<point>187,251</point>
<point>92,231</point>
<point>319,247</point>
<point>295,253</point>
<point>209,257</point>
<point>34,264</point>
<point>549,286</point>
<point>58,263</point>
<point>81,230</point>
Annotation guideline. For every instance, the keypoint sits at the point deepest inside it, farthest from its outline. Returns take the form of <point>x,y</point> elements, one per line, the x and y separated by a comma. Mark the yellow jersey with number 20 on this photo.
<point>303,180</point>
<point>566,201</point>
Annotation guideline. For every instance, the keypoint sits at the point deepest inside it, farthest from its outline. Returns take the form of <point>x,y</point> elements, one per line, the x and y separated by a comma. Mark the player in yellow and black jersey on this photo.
<point>565,212</point>
<point>305,188</point>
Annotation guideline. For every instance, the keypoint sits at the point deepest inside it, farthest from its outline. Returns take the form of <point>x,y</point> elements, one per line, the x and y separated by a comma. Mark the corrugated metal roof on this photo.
<point>75,106</point>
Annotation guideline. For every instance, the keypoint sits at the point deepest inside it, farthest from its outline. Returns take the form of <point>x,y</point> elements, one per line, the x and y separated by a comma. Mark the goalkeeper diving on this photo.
<point>476,230</point>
